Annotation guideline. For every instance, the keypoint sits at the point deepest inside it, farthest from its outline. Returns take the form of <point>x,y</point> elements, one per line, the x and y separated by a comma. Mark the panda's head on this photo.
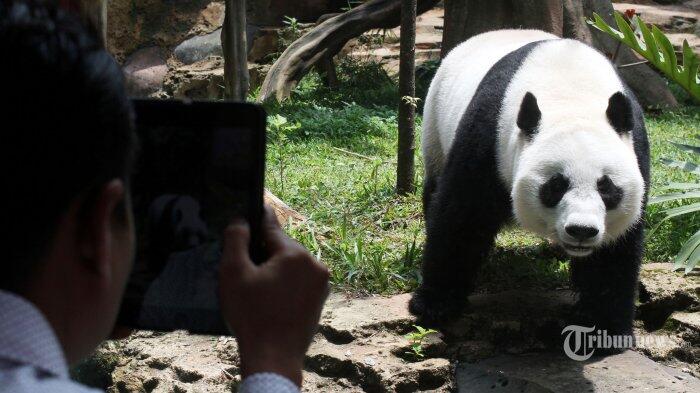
<point>577,181</point>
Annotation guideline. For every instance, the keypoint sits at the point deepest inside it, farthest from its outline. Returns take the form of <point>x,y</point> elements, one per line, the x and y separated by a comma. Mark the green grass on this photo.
<point>678,126</point>
<point>332,158</point>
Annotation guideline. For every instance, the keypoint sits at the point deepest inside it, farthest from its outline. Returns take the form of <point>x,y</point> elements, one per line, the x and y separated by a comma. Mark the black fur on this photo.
<point>609,192</point>
<point>468,204</point>
<point>619,113</point>
<point>529,115</point>
<point>553,190</point>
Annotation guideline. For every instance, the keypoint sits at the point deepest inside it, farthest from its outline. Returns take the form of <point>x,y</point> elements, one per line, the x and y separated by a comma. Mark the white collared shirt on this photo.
<point>32,360</point>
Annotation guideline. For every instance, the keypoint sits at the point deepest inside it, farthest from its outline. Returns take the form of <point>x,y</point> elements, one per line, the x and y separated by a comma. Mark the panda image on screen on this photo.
<point>520,124</point>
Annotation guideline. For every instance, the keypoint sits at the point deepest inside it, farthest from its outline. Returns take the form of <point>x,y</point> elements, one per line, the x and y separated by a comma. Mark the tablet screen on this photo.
<point>189,181</point>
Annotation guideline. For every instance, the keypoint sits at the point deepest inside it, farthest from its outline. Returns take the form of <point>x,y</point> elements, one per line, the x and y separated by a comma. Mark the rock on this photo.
<point>516,320</point>
<point>205,79</point>
<point>668,18</point>
<point>687,325</point>
<point>678,38</point>
<point>201,80</point>
<point>145,72</point>
<point>132,25</point>
<point>178,361</point>
<point>210,18</point>
<point>663,291</point>
<point>371,364</point>
<point>264,42</point>
<point>199,48</point>
<point>547,372</point>
<point>362,347</point>
<point>346,319</point>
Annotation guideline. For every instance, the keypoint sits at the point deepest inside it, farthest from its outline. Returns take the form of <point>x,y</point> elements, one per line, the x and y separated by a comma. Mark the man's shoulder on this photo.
<point>27,379</point>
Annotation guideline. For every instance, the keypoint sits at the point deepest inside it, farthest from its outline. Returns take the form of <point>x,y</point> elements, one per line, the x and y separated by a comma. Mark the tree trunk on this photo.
<point>233,40</point>
<point>566,18</point>
<point>467,18</point>
<point>405,172</point>
<point>327,39</point>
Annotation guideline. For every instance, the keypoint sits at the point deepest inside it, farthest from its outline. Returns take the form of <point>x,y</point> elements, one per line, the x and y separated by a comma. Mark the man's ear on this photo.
<point>529,116</point>
<point>98,225</point>
<point>619,113</point>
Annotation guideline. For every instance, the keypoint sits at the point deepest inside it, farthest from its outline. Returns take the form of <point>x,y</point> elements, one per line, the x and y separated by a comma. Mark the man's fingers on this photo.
<point>236,255</point>
<point>275,238</point>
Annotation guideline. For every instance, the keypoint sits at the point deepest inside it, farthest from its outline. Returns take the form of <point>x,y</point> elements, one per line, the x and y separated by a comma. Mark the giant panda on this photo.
<point>522,124</point>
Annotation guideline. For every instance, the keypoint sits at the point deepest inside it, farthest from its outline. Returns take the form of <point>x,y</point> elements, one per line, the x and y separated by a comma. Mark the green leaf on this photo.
<point>682,210</point>
<point>657,49</point>
<point>688,148</point>
<point>686,166</point>
<point>688,248</point>
<point>681,186</point>
<point>674,197</point>
<point>675,212</point>
<point>650,43</point>
<point>691,63</point>
<point>630,38</point>
<point>668,51</point>
<point>692,260</point>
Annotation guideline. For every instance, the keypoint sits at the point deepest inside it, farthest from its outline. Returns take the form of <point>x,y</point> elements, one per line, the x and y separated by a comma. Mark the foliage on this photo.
<point>689,254</point>
<point>669,236</point>
<point>654,46</point>
<point>415,340</point>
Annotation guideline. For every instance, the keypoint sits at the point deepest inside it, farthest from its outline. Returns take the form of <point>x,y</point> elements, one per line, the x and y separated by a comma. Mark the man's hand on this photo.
<point>273,308</point>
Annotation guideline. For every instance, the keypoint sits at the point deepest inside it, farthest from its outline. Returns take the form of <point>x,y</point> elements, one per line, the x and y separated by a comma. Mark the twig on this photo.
<point>358,155</point>
<point>228,375</point>
<point>633,64</point>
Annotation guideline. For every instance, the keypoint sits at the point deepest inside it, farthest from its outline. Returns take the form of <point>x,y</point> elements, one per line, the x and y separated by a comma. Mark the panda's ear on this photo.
<point>529,115</point>
<point>620,113</point>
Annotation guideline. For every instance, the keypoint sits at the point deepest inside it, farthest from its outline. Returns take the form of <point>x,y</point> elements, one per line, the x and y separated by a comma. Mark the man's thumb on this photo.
<point>235,259</point>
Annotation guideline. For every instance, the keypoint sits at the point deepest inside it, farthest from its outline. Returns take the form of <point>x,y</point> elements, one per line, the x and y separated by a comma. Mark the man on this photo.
<point>67,146</point>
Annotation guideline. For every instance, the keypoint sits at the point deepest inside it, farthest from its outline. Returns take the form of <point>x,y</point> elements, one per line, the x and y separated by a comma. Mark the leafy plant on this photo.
<point>291,23</point>
<point>412,101</point>
<point>655,47</point>
<point>689,255</point>
<point>415,340</point>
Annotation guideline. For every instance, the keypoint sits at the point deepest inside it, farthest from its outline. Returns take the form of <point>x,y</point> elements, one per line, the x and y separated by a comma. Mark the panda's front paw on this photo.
<point>435,308</point>
<point>611,323</point>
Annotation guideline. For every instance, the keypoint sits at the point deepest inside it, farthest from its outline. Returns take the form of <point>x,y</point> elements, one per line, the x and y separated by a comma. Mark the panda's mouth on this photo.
<point>576,251</point>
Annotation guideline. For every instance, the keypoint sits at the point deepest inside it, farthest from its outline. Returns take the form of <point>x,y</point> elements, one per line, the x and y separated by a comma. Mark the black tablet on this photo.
<point>199,165</point>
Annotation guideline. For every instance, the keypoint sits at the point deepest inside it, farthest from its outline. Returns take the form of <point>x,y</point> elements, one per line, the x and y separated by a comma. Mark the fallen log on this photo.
<point>326,40</point>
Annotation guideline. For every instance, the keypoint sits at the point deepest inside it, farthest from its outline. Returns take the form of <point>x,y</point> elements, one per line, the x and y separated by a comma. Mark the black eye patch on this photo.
<point>553,190</point>
<point>609,192</point>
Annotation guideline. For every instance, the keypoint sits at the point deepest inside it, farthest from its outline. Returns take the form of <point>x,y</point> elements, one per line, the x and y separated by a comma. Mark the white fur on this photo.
<point>572,83</point>
<point>455,83</point>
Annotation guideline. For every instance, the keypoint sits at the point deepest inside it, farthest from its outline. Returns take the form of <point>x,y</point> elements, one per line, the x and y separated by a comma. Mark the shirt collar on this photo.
<point>26,337</point>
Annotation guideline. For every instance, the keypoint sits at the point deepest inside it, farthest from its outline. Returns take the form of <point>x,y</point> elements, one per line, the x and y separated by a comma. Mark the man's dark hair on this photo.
<point>67,126</point>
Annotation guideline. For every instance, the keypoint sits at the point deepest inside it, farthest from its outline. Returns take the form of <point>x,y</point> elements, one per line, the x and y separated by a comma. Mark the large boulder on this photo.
<point>145,71</point>
<point>132,25</point>
<point>199,48</point>
<point>552,373</point>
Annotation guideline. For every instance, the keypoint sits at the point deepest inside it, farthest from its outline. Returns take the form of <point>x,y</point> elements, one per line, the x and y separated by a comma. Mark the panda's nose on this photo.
<point>581,232</point>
